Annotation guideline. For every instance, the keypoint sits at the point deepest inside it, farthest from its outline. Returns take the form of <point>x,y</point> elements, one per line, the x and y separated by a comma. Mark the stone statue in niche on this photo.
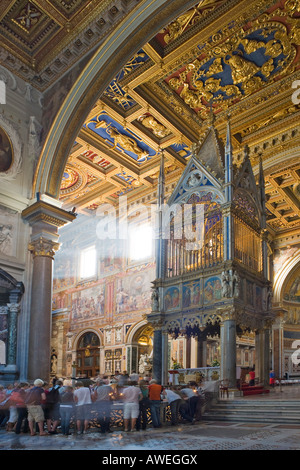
<point>269,298</point>
<point>53,364</point>
<point>193,180</point>
<point>226,284</point>
<point>236,282</point>
<point>6,239</point>
<point>6,152</point>
<point>155,300</point>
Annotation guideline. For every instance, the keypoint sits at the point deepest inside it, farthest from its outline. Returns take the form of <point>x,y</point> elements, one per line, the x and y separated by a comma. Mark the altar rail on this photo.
<point>197,374</point>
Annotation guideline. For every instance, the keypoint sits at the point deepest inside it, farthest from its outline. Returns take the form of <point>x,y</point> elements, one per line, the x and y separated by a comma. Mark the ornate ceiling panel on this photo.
<point>41,40</point>
<point>205,64</point>
<point>220,58</point>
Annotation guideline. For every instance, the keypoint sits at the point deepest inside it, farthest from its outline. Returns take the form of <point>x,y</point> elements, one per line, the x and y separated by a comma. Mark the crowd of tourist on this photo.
<point>66,406</point>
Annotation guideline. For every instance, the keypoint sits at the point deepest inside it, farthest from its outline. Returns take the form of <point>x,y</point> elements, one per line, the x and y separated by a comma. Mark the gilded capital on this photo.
<point>43,247</point>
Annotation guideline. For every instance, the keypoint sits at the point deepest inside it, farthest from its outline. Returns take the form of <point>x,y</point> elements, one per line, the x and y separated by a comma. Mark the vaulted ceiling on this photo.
<point>217,59</point>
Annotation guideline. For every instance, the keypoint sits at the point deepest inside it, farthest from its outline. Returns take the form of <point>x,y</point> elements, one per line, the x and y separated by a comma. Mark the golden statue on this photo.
<point>241,69</point>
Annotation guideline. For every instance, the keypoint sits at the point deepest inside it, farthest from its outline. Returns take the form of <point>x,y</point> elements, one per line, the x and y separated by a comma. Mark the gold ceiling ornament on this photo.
<point>126,143</point>
<point>237,67</point>
<point>175,29</point>
<point>159,130</point>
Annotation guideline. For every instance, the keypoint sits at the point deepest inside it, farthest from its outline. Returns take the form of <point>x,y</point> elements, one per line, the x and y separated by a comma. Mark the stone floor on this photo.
<point>204,435</point>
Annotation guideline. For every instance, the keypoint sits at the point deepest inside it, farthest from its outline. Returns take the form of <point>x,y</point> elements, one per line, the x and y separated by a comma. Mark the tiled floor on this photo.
<point>204,435</point>
<point>201,436</point>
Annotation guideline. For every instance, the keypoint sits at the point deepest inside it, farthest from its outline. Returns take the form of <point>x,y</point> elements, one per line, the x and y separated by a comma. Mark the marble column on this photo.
<point>157,355</point>
<point>165,356</point>
<point>262,355</point>
<point>188,346</point>
<point>40,318</point>
<point>44,219</point>
<point>11,351</point>
<point>278,342</point>
<point>228,351</point>
<point>13,311</point>
<point>201,352</point>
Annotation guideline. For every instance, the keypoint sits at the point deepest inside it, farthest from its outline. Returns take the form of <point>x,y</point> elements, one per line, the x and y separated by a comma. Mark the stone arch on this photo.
<point>132,33</point>
<point>88,354</point>
<point>281,278</point>
<point>133,331</point>
<point>79,335</point>
<point>140,347</point>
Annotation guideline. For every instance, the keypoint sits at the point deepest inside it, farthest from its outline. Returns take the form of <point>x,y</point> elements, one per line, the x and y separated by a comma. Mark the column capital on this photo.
<point>43,247</point>
<point>45,219</point>
<point>13,307</point>
<point>227,313</point>
<point>42,211</point>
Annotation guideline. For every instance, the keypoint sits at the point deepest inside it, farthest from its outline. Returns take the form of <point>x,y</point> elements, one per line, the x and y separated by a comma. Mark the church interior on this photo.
<point>110,110</point>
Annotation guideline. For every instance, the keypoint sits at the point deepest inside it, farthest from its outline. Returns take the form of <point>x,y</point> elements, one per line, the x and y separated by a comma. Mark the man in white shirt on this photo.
<point>174,401</point>
<point>131,396</point>
<point>190,394</point>
<point>82,397</point>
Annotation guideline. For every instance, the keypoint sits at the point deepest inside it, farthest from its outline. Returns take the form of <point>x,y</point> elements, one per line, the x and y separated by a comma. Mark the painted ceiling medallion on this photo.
<point>69,179</point>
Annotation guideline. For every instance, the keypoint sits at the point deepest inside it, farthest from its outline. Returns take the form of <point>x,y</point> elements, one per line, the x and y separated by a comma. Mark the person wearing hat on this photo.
<point>34,407</point>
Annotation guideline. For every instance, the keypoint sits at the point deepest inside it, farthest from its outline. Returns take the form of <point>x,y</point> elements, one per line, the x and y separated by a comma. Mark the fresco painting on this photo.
<point>190,293</point>
<point>212,289</point>
<point>172,298</point>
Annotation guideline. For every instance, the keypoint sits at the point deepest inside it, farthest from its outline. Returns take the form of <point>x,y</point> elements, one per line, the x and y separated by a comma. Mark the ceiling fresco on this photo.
<point>217,60</point>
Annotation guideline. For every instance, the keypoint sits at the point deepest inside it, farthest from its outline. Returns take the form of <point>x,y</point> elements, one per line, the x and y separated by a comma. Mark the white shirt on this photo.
<point>131,394</point>
<point>188,392</point>
<point>171,396</point>
<point>83,396</point>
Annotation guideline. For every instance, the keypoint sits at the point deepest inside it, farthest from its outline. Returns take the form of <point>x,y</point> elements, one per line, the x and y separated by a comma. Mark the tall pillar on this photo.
<point>165,356</point>
<point>188,351</point>
<point>13,310</point>
<point>157,355</point>
<point>11,351</point>
<point>228,351</point>
<point>201,352</point>
<point>262,355</point>
<point>44,219</point>
<point>40,314</point>
<point>277,343</point>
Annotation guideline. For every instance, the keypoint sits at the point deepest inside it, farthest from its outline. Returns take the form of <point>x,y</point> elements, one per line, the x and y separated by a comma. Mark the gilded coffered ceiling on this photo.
<point>42,39</point>
<point>221,58</point>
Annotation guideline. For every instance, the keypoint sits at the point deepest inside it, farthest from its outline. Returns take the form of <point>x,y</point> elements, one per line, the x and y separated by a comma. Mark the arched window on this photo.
<point>88,357</point>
